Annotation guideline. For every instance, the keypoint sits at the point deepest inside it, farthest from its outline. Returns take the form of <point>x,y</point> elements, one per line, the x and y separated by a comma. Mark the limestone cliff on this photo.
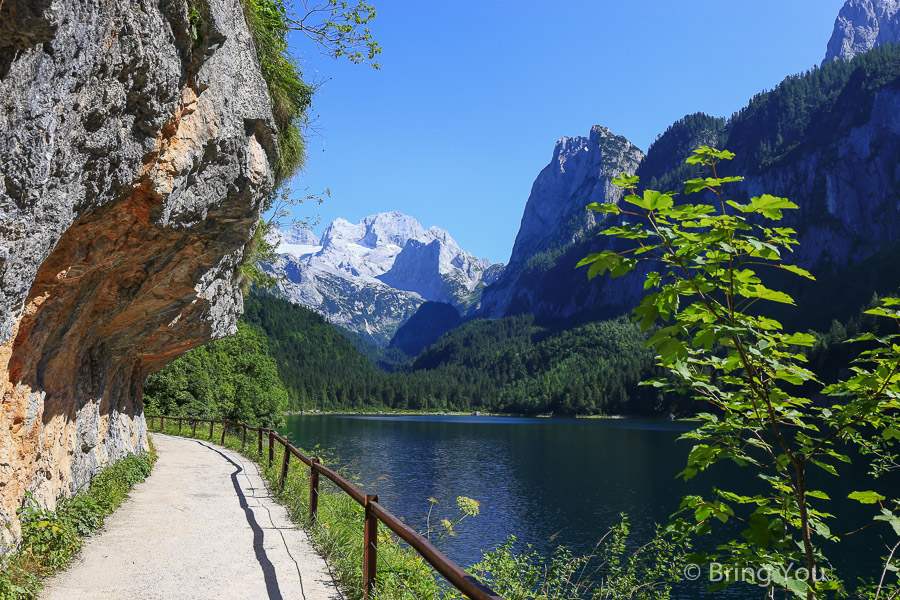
<point>136,149</point>
<point>579,173</point>
<point>862,25</point>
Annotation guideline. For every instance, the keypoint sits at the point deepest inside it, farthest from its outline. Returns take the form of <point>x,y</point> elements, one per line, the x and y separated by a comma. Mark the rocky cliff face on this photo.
<point>370,277</point>
<point>578,174</point>
<point>840,168</point>
<point>862,25</point>
<point>846,185</point>
<point>135,156</point>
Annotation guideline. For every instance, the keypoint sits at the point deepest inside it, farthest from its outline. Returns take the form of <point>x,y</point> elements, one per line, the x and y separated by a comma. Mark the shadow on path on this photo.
<point>274,592</point>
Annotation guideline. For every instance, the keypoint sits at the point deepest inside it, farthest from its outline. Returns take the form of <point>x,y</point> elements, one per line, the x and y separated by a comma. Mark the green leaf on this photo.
<point>866,497</point>
<point>626,181</point>
<point>889,433</point>
<point>694,185</point>
<point>606,207</point>
<point>798,271</point>
<point>587,260</point>
<point>764,293</point>
<point>884,312</point>
<point>800,339</point>
<point>891,518</point>
<point>825,466</point>
<point>651,200</point>
<point>771,206</point>
<point>822,529</point>
<point>789,376</point>
<point>722,154</point>
<point>797,586</point>
<point>740,207</point>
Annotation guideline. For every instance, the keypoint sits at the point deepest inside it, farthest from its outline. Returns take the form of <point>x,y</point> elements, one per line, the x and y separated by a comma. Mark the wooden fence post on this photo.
<point>194,428</point>
<point>370,554</point>
<point>259,441</point>
<point>271,448</point>
<point>243,435</point>
<point>224,429</point>
<point>284,466</point>
<point>212,423</point>
<point>313,488</point>
<point>162,424</point>
<point>179,425</point>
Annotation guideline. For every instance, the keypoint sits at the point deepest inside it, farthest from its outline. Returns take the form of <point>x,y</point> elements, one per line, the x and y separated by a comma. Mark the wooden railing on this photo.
<point>374,512</point>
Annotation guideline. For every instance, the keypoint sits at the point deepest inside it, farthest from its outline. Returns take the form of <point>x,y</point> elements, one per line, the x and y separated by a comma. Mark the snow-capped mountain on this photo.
<point>373,275</point>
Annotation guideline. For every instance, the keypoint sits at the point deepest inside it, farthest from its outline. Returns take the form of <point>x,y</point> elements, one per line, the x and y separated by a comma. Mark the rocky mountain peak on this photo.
<point>578,174</point>
<point>862,25</point>
<point>342,230</point>
<point>371,276</point>
<point>300,236</point>
<point>390,228</point>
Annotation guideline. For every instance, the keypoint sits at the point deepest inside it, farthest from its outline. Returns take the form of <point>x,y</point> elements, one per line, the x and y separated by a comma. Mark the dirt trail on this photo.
<point>203,525</point>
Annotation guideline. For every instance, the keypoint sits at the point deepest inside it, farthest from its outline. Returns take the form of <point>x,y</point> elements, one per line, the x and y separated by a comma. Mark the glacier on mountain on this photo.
<point>371,276</point>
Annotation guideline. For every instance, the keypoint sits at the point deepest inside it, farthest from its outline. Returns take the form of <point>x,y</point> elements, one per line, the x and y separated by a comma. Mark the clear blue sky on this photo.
<point>472,96</point>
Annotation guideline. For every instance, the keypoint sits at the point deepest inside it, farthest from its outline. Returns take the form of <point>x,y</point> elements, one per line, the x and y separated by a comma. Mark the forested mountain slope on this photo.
<point>505,365</point>
<point>827,139</point>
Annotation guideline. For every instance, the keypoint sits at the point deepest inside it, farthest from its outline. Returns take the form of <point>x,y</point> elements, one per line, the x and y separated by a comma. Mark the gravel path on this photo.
<point>203,525</point>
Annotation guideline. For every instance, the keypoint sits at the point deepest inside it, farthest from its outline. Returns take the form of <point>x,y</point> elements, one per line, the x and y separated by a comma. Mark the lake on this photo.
<point>549,482</point>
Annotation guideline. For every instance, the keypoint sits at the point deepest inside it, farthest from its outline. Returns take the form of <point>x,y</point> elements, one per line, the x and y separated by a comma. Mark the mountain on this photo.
<point>424,328</point>
<point>508,365</point>
<point>579,173</point>
<point>828,139</point>
<point>862,25</point>
<point>370,277</point>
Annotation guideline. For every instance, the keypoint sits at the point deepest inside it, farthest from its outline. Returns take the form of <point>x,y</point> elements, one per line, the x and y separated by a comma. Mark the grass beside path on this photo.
<point>50,540</point>
<point>337,532</point>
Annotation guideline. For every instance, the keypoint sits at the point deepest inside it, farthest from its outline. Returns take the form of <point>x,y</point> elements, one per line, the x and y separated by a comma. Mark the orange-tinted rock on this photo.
<point>133,164</point>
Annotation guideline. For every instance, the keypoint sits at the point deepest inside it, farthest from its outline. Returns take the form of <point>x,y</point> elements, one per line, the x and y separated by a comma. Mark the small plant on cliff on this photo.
<point>197,13</point>
<point>722,351</point>
<point>338,28</point>
<point>280,206</point>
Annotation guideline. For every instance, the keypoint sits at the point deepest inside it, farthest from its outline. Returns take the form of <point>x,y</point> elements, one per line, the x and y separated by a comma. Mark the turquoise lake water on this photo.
<point>548,481</point>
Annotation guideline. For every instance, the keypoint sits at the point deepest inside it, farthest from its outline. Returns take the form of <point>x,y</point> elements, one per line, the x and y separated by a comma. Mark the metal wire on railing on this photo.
<point>340,520</point>
<point>394,571</point>
<point>332,540</point>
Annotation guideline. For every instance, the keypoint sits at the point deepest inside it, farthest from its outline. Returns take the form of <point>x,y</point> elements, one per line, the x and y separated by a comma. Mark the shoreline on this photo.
<point>414,413</point>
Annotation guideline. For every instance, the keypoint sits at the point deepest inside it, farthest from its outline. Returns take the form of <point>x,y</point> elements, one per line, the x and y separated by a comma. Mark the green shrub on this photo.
<point>291,97</point>
<point>613,570</point>
<point>50,539</point>
<point>722,349</point>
